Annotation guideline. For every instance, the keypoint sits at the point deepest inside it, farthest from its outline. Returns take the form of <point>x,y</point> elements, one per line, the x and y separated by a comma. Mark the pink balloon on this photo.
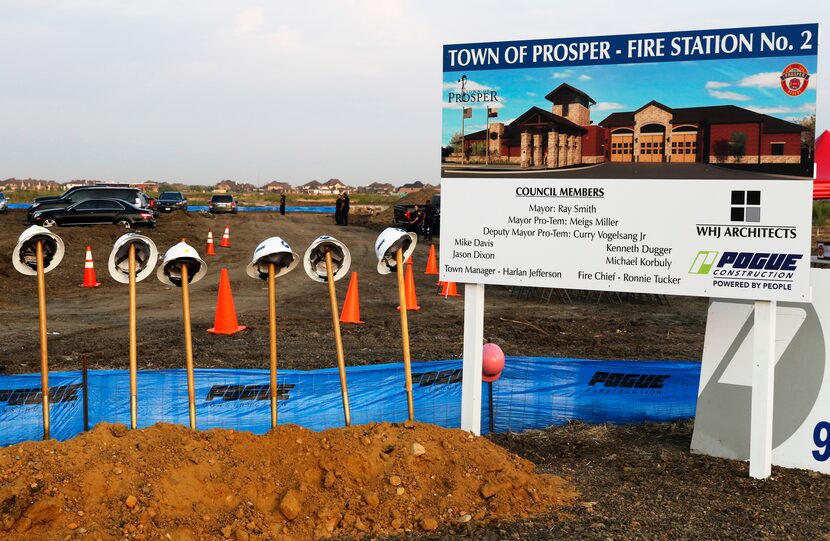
<point>492,362</point>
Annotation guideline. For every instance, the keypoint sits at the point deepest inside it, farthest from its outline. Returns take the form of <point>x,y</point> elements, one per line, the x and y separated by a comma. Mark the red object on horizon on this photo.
<point>821,186</point>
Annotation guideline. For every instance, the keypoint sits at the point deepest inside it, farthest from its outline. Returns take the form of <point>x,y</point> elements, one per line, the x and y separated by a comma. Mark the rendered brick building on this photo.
<point>565,136</point>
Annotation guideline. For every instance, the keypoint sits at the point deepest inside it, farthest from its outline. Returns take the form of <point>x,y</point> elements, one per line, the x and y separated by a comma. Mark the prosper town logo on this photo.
<point>465,91</point>
<point>745,220</point>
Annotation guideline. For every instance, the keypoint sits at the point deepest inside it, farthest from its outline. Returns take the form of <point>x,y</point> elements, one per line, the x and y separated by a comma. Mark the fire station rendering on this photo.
<point>565,135</point>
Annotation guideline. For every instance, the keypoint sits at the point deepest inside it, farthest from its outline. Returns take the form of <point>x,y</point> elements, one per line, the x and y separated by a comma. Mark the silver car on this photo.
<point>4,203</point>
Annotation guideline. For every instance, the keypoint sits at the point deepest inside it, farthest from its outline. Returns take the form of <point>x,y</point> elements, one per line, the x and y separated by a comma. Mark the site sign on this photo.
<point>669,163</point>
<point>682,237</point>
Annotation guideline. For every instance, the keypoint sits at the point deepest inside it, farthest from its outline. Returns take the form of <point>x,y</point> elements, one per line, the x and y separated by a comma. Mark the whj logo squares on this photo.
<point>746,206</point>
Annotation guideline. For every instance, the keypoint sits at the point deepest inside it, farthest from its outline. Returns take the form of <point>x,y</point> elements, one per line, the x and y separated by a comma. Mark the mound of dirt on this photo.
<point>168,482</point>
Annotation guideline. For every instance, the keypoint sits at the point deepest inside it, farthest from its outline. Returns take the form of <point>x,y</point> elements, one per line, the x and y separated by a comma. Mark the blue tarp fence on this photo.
<point>203,208</point>
<point>533,393</point>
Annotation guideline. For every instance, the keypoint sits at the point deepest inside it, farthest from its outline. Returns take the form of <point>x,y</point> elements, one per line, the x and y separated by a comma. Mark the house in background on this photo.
<point>13,184</point>
<point>278,187</point>
<point>312,187</point>
<point>333,186</point>
<point>416,186</point>
<point>378,188</point>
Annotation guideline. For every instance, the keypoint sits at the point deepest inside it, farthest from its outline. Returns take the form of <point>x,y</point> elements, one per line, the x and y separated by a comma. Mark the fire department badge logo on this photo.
<point>794,79</point>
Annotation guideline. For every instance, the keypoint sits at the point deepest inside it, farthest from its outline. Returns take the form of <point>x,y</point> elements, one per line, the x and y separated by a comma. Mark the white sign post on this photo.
<point>763,379</point>
<point>473,339</point>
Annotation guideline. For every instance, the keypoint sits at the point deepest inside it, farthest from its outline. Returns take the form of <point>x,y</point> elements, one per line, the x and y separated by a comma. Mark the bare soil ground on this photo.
<point>636,482</point>
<point>93,322</point>
<point>168,482</point>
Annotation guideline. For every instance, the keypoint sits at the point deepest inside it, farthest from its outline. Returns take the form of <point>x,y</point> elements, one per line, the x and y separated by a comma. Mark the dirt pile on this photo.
<point>167,482</point>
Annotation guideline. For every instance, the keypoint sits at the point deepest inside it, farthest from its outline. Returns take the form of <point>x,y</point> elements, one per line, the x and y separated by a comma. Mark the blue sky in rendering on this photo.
<point>749,83</point>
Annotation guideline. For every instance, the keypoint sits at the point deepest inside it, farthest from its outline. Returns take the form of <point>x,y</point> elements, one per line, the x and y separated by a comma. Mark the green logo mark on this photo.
<point>703,262</point>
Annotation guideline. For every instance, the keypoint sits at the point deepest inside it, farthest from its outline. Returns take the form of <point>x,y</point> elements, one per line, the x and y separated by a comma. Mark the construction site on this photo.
<point>369,481</point>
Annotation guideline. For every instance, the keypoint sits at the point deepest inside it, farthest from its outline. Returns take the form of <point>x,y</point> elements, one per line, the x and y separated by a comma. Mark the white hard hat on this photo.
<point>24,257</point>
<point>272,250</point>
<point>170,270</point>
<point>314,260</point>
<point>146,257</point>
<point>389,241</point>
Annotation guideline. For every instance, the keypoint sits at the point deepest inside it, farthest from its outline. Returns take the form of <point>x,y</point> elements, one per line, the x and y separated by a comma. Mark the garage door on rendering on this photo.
<point>684,146</point>
<point>622,146</point>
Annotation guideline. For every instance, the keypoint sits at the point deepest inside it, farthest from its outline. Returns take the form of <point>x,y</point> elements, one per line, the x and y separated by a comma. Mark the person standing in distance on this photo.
<point>429,217</point>
<point>338,210</point>
<point>345,209</point>
<point>282,204</point>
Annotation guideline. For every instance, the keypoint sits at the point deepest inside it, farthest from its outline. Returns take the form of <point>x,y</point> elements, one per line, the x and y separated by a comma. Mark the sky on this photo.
<point>200,91</point>
<point>752,83</point>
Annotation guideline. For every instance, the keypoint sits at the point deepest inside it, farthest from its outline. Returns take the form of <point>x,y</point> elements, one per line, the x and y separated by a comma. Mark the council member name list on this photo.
<point>554,217</point>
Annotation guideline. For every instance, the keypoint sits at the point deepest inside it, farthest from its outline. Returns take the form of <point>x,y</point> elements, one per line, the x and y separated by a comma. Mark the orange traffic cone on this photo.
<point>225,321</point>
<point>226,238</point>
<point>89,271</point>
<point>449,290</point>
<point>210,249</point>
<point>432,263</point>
<point>351,308</point>
<point>409,285</point>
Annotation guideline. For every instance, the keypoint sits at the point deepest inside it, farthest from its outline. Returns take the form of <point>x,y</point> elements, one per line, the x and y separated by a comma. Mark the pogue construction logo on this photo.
<point>794,79</point>
<point>748,270</point>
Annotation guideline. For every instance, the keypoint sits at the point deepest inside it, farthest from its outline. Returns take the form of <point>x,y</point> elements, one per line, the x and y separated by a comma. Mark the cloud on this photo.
<point>249,20</point>
<point>733,96</point>
<point>532,94</point>
<point>562,74</point>
<point>710,85</point>
<point>607,106</point>
<point>768,79</point>
<point>584,77</point>
<point>808,108</point>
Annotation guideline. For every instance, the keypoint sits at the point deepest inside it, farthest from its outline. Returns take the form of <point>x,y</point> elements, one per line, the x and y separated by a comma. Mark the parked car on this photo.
<point>74,189</point>
<point>222,203</point>
<point>133,196</point>
<point>170,201</point>
<point>96,212</point>
<point>4,203</point>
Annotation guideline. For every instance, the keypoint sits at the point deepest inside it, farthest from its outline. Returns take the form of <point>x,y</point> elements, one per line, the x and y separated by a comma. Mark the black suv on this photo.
<point>134,196</point>
<point>96,211</point>
<point>170,201</point>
